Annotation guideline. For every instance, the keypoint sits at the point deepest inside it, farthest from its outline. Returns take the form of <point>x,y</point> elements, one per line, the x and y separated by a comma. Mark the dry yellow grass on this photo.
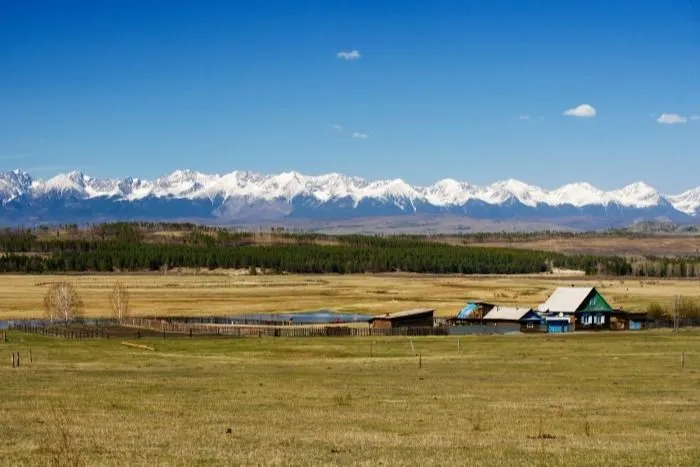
<point>608,399</point>
<point>225,294</point>
<point>655,245</point>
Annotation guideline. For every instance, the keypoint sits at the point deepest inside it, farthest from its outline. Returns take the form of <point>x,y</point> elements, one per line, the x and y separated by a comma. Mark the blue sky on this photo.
<point>439,90</point>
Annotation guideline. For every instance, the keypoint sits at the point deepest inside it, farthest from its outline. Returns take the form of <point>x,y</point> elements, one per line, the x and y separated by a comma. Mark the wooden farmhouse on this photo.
<point>586,308</point>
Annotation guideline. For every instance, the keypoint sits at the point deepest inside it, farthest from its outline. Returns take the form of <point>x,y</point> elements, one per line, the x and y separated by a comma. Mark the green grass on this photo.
<point>593,399</point>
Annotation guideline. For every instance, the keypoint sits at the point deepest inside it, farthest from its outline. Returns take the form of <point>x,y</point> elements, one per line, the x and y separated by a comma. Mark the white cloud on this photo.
<point>583,110</point>
<point>695,117</point>
<point>358,135</point>
<point>524,117</point>
<point>352,55</point>
<point>338,128</point>
<point>671,119</point>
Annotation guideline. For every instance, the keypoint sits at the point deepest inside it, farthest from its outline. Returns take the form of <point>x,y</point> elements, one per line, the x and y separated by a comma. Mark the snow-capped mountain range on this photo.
<point>185,194</point>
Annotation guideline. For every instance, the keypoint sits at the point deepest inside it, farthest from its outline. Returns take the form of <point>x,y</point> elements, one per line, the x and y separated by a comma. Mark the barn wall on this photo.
<point>413,322</point>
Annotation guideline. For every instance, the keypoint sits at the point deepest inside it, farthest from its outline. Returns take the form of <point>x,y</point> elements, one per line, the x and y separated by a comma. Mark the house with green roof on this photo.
<point>585,307</point>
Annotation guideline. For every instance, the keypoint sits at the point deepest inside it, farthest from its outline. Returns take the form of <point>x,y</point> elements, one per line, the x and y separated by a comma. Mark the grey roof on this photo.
<point>406,313</point>
<point>506,313</point>
<point>566,299</point>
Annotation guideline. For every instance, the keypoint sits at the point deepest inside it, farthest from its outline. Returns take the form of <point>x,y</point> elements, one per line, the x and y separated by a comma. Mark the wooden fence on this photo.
<point>148,327</point>
<point>65,333</point>
<point>192,329</point>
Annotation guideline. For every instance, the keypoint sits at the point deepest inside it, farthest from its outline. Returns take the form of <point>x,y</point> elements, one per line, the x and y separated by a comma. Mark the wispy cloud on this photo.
<point>671,119</point>
<point>358,135</point>
<point>524,117</point>
<point>583,110</point>
<point>350,55</point>
<point>338,128</point>
<point>695,117</point>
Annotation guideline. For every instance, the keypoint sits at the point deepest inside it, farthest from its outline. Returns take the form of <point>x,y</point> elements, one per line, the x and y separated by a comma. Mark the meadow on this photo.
<point>229,293</point>
<point>584,399</point>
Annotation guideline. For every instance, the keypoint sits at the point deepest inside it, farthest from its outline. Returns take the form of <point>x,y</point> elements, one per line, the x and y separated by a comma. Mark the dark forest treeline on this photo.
<point>131,247</point>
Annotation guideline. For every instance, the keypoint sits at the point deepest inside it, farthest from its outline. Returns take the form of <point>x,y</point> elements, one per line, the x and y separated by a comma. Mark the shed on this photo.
<point>630,321</point>
<point>514,315</point>
<point>417,318</point>
<point>473,312</point>
<point>556,324</point>
<point>527,318</point>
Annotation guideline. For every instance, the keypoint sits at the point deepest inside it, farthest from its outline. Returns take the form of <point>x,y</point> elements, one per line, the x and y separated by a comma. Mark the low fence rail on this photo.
<point>151,327</point>
<point>65,333</point>
<point>147,327</point>
<point>277,331</point>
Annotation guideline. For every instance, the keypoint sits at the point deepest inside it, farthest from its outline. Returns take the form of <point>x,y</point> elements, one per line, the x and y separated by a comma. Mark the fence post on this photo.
<point>13,359</point>
<point>420,361</point>
<point>30,357</point>
<point>682,359</point>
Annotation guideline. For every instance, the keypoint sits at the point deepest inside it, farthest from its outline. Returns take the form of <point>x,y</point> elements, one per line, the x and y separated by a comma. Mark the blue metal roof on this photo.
<point>466,311</point>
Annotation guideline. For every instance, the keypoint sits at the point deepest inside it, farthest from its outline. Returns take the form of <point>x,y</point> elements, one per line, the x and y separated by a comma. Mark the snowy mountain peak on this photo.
<point>638,195</point>
<point>13,184</point>
<point>687,202</point>
<point>288,186</point>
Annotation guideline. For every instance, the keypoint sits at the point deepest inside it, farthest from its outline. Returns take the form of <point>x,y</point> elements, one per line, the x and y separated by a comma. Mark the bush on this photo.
<point>688,308</point>
<point>656,311</point>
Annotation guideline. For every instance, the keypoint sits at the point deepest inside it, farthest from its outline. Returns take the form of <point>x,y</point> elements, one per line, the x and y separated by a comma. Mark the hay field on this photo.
<point>587,399</point>
<point>650,245</point>
<point>21,296</point>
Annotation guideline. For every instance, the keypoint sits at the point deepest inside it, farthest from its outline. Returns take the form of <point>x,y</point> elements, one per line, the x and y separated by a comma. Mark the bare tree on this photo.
<point>62,302</point>
<point>120,301</point>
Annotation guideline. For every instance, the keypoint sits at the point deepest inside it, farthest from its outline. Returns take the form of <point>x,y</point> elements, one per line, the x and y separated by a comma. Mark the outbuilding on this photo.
<point>417,318</point>
<point>472,313</point>
<point>526,318</point>
<point>556,324</point>
<point>628,321</point>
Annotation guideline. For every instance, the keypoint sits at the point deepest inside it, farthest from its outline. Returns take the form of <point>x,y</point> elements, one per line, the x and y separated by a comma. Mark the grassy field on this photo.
<point>651,245</point>
<point>586,399</point>
<point>21,296</point>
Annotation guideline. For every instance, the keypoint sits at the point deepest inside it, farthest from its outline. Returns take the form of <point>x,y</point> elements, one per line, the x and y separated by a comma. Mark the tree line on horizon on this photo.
<point>126,247</point>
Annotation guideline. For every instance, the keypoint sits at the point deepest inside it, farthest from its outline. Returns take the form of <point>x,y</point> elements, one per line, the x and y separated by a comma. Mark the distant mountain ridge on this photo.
<point>249,196</point>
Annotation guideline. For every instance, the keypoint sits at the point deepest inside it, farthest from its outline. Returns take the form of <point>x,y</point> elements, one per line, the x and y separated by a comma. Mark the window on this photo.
<point>530,325</point>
